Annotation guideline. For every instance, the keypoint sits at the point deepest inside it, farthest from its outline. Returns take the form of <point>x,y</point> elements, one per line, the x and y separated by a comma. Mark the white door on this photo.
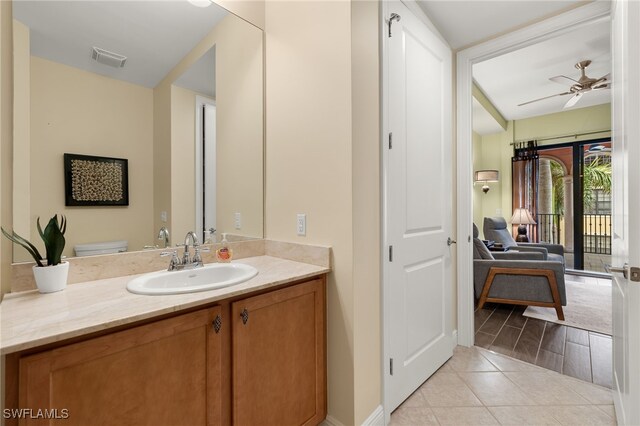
<point>626,210</point>
<point>418,205</point>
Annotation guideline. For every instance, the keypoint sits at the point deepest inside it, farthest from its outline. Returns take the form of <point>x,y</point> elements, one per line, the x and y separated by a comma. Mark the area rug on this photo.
<point>588,307</point>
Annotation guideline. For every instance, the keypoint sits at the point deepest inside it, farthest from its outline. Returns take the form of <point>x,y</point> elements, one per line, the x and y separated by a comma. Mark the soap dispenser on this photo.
<point>224,253</point>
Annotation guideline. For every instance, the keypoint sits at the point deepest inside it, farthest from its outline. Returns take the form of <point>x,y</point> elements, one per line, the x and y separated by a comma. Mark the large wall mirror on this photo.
<point>185,109</point>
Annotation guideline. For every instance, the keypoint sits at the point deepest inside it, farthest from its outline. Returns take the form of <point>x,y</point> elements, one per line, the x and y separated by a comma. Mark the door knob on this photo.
<point>450,241</point>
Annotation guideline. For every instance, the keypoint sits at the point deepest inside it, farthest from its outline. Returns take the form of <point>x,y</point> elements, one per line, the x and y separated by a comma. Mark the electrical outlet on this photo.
<point>498,212</point>
<point>163,216</point>
<point>301,224</point>
<point>238,220</point>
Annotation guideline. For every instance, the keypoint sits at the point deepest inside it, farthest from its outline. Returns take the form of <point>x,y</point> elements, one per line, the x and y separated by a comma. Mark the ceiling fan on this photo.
<point>578,87</point>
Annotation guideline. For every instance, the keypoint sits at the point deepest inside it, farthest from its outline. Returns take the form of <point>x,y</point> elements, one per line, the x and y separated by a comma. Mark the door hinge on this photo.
<point>391,366</point>
<point>390,253</point>
<point>394,17</point>
<point>390,140</point>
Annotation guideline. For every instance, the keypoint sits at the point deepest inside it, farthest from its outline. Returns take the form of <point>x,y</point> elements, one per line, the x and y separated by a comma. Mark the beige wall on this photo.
<point>239,134</point>
<point>6,141</point>
<point>183,195</point>
<point>162,189</point>
<point>250,10</point>
<point>323,159</point>
<point>239,127</point>
<point>365,81</point>
<point>74,111</point>
<point>495,151</point>
<point>309,160</point>
<point>22,130</point>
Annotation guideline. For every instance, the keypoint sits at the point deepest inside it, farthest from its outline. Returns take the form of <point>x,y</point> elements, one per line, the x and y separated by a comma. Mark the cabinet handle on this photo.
<point>217,324</point>
<point>244,315</point>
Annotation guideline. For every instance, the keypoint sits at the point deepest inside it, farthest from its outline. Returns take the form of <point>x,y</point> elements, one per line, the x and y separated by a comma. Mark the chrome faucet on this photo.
<point>163,234</point>
<point>187,262</point>
<point>186,258</point>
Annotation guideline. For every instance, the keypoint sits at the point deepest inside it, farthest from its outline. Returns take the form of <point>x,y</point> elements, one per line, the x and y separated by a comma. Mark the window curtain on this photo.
<point>524,174</point>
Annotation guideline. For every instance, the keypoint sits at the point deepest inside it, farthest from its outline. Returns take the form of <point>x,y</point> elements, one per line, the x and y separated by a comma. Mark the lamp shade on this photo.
<point>522,217</point>
<point>486,176</point>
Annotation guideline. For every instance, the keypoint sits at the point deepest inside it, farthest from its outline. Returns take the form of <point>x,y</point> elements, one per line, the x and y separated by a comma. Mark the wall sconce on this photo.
<point>522,218</point>
<point>485,176</point>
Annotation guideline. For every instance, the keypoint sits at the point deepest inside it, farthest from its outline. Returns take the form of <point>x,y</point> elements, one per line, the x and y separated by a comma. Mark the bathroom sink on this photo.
<point>208,277</point>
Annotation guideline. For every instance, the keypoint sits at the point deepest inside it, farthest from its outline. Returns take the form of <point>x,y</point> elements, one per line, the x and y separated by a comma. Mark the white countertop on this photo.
<point>30,319</point>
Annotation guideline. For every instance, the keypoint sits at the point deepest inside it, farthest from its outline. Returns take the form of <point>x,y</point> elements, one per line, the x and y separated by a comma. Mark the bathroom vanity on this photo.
<point>253,353</point>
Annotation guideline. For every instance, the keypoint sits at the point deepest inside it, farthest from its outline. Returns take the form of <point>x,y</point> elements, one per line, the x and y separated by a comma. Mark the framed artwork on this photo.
<point>95,181</point>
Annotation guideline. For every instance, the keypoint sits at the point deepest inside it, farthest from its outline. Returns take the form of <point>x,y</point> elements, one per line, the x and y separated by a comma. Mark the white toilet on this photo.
<point>92,249</point>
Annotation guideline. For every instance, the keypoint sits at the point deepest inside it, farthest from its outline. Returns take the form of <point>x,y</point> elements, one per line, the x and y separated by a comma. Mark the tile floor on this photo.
<point>578,353</point>
<point>571,351</point>
<point>480,387</point>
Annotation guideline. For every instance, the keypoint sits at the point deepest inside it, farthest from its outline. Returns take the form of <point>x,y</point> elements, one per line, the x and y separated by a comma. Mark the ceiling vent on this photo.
<point>108,58</point>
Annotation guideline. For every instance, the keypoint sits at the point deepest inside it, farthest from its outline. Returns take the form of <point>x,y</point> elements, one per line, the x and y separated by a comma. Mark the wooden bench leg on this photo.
<point>557,303</point>
<point>551,279</point>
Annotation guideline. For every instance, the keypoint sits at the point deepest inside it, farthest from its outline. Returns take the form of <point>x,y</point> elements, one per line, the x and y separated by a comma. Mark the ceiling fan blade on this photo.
<point>546,97</point>
<point>562,79</point>
<point>571,102</point>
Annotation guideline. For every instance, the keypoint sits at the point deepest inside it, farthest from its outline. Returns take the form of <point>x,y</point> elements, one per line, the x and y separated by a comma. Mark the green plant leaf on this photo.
<point>39,228</point>
<point>54,241</point>
<point>17,239</point>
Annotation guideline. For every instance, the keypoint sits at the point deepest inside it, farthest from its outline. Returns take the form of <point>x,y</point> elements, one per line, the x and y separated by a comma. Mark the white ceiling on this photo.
<point>464,22</point>
<point>153,35</point>
<point>523,75</point>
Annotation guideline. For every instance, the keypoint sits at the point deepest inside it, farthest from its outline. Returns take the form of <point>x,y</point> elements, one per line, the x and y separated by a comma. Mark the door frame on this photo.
<point>199,159</point>
<point>384,132</point>
<point>552,27</point>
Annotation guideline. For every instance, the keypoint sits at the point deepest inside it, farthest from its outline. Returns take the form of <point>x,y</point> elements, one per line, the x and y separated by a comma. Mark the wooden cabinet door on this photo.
<point>279,367</point>
<point>156,374</point>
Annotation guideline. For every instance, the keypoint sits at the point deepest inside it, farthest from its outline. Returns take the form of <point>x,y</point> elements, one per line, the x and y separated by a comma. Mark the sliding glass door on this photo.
<point>574,201</point>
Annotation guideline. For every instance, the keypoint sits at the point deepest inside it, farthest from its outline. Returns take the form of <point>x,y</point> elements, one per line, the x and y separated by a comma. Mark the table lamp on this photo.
<point>522,218</point>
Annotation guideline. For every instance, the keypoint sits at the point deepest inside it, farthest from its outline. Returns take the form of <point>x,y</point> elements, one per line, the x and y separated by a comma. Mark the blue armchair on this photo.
<point>495,228</point>
<point>517,277</point>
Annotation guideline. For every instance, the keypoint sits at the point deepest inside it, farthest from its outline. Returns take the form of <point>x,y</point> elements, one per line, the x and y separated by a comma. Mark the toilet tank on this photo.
<point>91,249</point>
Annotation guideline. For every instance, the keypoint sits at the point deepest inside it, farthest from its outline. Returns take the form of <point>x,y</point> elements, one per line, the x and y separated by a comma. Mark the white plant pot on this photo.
<point>50,279</point>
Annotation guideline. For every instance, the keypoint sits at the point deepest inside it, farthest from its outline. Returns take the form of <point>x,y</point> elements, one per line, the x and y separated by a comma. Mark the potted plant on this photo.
<point>52,276</point>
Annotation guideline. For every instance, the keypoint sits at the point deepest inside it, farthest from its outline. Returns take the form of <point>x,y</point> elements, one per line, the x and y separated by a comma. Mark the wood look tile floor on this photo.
<point>574,352</point>
<point>480,387</point>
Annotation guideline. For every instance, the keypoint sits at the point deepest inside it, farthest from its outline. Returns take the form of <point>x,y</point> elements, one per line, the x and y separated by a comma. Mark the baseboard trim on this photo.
<point>331,421</point>
<point>454,339</point>
<point>376,418</point>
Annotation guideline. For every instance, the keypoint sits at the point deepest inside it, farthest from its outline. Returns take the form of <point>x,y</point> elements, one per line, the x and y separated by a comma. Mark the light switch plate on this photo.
<point>301,224</point>
<point>238,220</point>
<point>163,216</point>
